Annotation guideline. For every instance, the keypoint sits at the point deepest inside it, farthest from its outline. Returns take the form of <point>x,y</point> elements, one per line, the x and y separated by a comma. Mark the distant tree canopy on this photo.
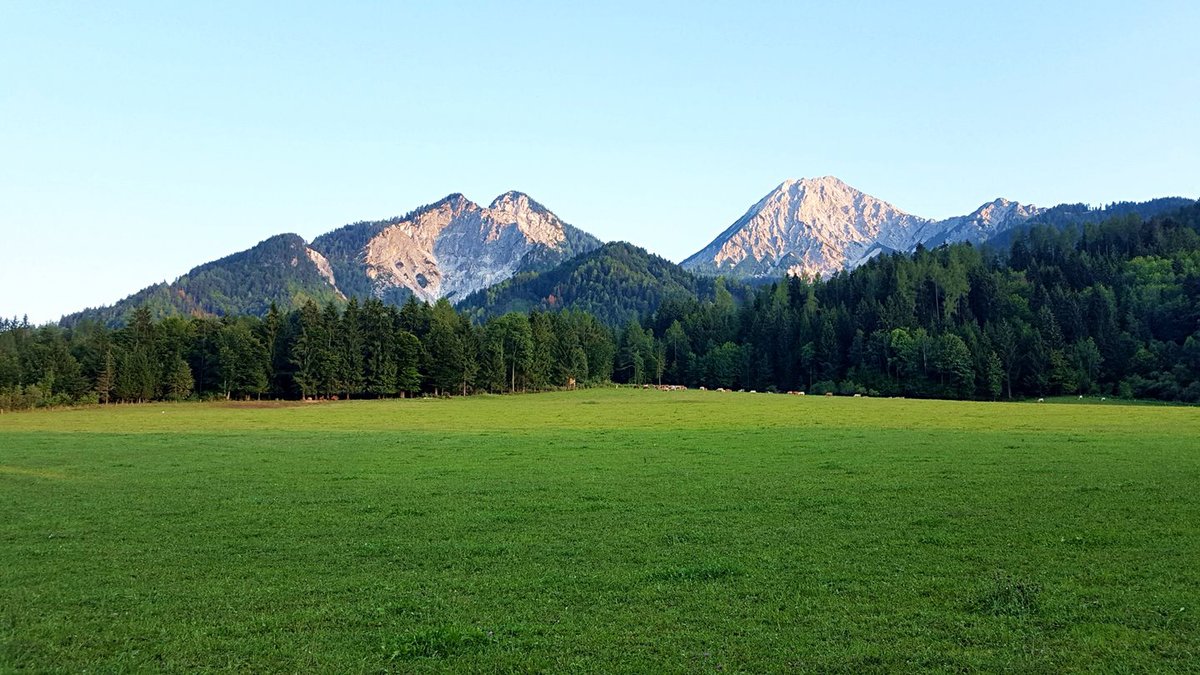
<point>278,271</point>
<point>616,283</point>
<point>1108,308</point>
<point>369,350</point>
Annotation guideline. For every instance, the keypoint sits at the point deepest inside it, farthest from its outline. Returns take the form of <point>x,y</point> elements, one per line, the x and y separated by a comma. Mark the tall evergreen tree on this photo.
<point>106,379</point>
<point>352,348</point>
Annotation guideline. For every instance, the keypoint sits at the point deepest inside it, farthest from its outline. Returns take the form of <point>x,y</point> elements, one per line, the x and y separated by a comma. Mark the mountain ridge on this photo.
<point>448,248</point>
<point>455,248</point>
<point>817,226</point>
<point>281,269</point>
<point>616,283</point>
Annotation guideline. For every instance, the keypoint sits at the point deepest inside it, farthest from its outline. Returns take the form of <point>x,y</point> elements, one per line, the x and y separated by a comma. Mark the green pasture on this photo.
<point>601,531</point>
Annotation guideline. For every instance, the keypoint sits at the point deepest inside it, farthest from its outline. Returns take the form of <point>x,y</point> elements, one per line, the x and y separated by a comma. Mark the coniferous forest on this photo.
<point>1107,309</point>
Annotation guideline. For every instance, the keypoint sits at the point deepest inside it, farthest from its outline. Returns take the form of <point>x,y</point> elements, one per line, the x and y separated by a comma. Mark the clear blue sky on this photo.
<point>140,139</point>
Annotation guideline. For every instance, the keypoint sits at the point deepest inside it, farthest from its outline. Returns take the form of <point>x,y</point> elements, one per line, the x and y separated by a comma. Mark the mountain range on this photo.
<point>504,256</point>
<point>817,226</point>
<point>448,249</point>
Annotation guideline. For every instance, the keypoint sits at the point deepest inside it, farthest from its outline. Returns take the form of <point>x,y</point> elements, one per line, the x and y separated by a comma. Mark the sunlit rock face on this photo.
<point>817,226</point>
<point>454,247</point>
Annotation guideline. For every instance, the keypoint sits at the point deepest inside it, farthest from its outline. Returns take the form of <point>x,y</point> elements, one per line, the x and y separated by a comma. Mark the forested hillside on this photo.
<point>278,271</point>
<point>1111,308</point>
<point>446,249</point>
<point>1075,216</point>
<point>616,283</point>
<point>1103,309</point>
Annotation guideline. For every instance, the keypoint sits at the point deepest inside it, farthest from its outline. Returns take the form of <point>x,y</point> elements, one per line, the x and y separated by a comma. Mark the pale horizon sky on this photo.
<point>140,139</point>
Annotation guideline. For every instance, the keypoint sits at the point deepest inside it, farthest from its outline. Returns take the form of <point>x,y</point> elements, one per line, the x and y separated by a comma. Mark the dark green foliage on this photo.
<point>106,377</point>
<point>508,341</point>
<point>1108,309</point>
<point>450,348</point>
<point>615,283</point>
<point>243,360</point>
<point>179,381</point>
<point>277,271</point>
<point>1105,309</point>
<point>307,351</point>
<point>343,248</point>
<point>407,363</point>
<point>638,359</point>
<point>1076,216</point>
<point>351,350</point>
<point>374,350</point>
<point>575,242</point>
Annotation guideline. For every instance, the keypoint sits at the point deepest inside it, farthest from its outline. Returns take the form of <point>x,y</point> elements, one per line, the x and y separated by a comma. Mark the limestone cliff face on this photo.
<point>454,247</point>
<point>323,268</point>
<point>984,223</point>
<point>816,226</point>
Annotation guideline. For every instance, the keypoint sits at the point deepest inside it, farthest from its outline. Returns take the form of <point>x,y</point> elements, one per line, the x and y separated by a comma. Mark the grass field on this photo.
<point>602,531</point>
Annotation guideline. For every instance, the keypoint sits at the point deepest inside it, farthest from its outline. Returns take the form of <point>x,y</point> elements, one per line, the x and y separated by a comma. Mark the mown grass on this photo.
<point>616,531</point>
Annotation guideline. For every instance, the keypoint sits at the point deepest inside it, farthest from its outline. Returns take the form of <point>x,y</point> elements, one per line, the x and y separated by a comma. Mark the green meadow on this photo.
<point>601,530</point>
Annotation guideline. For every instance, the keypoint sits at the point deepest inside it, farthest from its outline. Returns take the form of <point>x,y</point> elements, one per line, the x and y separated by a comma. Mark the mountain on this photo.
<point>450,249</point>
<point>982,224</point>
<point>817,226</point>
<point>615,283</point>
<point>1066,216</point>
<point>282,270</point>
<point>456,249</point>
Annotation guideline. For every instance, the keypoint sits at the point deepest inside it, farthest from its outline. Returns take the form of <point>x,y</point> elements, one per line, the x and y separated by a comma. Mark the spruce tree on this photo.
<point>351,346</point>
<point>179,380</point>
<point>106,379</point>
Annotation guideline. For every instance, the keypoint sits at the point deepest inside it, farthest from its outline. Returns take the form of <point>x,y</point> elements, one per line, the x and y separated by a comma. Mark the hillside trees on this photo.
<point>1111,308</point>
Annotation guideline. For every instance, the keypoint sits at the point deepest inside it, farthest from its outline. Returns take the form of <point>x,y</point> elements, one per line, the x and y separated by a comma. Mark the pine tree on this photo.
<point>406,364</point>
<point>446,349</point>
<point>272,331</point>
<point>541,338</point>
<point>995,375</point>
<point>179,381</point>
<point>351,343</point>
<point>329,353</point>
<point>955,367</point>
<point>678,353</point>
<point>306,349</point>
<point>512,336</point>
<point>139,374</point>
<point>106,379</point>
<point>380,341</point>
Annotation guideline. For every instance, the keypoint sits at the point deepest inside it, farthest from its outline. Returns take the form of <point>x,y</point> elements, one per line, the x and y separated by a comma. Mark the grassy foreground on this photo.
<point>604,531</point>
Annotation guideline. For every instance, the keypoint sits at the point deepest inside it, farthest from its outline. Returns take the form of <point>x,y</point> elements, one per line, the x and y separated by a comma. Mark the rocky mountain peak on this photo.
<point>817,226</point>
<point>454,198</point>
<point>1000,209</point>
<point>818,183</point>
<point>823,189</point>
<point>455,203</point>
<point>532,219</point>
<point>513,197</point>
<point>454,247</point>
<point>982,224</point>
<point>809,226</point>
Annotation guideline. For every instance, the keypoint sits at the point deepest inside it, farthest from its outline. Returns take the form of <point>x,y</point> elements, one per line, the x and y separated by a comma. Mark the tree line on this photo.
<point>360,350</point>
<point>1101,309</point>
